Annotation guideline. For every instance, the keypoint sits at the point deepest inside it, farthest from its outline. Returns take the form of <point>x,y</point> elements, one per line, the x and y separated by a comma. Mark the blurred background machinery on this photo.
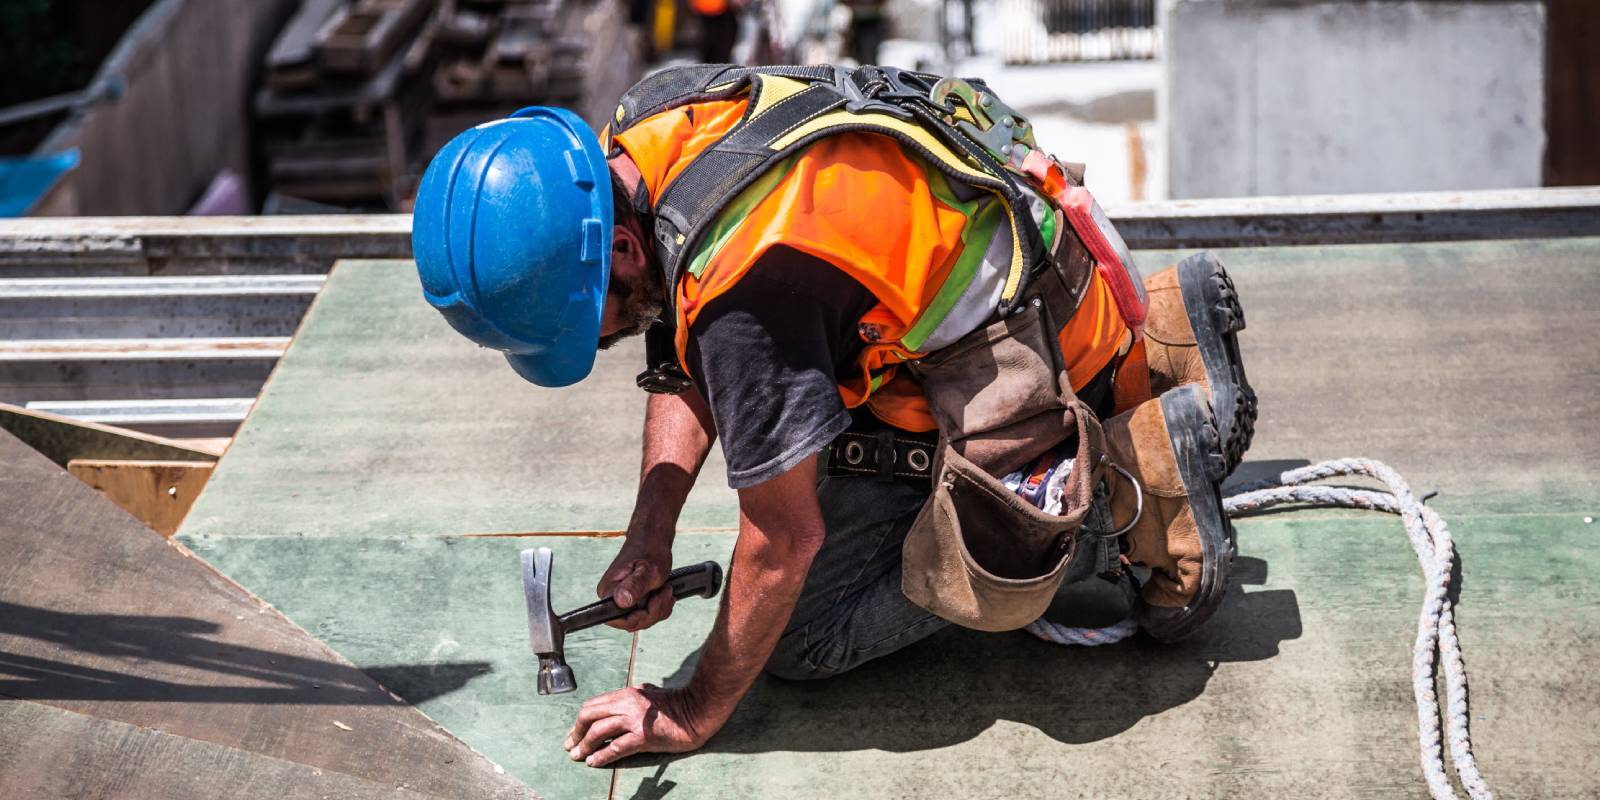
<point>244,106</point>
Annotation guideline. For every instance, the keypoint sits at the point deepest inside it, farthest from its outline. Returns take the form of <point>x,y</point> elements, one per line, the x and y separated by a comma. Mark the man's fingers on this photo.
<point>632,622</point>
<point>624,745</point>
<point>595,709</point>
<point>608,728</point>
<point>660,606</point>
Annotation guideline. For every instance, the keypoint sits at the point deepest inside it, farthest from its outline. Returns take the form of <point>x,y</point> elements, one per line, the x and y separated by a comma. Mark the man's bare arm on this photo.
<point>678,434</point>
<point>780,531</point>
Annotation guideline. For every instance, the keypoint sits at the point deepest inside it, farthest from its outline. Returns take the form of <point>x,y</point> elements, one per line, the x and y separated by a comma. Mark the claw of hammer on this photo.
<point>547,632</point>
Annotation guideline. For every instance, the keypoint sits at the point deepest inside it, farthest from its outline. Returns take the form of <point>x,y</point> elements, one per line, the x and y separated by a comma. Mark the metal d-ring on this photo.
<point>1138,511</point>
<point>854,453</point>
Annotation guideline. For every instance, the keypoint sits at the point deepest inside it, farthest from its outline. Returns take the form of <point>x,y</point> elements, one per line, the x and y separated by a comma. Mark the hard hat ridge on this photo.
<point>511,234</point>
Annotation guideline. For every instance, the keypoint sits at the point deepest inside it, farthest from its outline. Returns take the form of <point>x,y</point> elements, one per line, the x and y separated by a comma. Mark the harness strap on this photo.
<point>691,201</point>
<point>791,107</point>
<point>695,83</point>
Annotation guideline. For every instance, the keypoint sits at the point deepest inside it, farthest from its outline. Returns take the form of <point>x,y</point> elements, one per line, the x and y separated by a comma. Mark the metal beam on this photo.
<point>142,308</point>
<point>214,417</point>
<point>237,347</point>
<point>101,246</point>
<point>1357,219</point>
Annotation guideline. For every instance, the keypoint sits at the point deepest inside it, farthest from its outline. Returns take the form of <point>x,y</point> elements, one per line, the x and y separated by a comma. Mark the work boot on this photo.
<point>1166,493</point>
<point>1191,336</point>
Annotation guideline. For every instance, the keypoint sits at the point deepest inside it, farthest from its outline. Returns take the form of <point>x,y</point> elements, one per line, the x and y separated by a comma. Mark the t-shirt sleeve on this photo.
<point>766,354</point>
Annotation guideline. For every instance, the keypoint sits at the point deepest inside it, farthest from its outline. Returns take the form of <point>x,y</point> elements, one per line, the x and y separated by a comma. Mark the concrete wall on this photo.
<point>189,67</point>
<point>1266,97</point>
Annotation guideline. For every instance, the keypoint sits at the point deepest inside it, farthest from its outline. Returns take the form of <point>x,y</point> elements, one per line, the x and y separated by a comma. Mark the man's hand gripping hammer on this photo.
<point>547,632</point>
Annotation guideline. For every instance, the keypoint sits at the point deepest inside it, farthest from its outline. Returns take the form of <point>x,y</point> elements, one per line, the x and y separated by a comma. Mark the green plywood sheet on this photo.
<point>448,601</point>
<point>1300,687</point>
<point>380,419</point>
<point>383,435</point>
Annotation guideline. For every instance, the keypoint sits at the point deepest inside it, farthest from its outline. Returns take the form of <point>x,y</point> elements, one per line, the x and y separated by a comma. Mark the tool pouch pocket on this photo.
<point>979,555</point>
<point>984,558</point>
<point>997,393</point>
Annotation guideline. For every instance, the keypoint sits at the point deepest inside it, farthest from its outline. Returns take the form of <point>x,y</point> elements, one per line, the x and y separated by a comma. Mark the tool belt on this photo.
<point>871,449</point>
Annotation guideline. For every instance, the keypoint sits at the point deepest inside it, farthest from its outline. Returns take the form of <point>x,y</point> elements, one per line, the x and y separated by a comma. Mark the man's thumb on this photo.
<point>627,589</point>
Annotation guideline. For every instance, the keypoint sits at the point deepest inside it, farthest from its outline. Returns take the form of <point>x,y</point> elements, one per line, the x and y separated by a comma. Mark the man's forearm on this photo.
<point>780,531</point>
<point>678,433</point>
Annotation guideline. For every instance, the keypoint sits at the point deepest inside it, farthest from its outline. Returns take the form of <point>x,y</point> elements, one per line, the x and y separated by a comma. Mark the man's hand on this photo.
<point>638,719</point>
<point>637,571</point>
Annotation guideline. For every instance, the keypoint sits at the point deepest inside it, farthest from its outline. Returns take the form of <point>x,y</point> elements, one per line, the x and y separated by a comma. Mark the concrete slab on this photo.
<point>1469,367</point>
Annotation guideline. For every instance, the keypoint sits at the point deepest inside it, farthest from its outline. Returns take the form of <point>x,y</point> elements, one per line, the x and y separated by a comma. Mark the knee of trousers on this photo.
<point>791,660</point>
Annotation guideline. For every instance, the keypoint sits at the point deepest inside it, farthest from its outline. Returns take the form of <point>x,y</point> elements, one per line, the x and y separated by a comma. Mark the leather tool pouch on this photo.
<point>977,554</point>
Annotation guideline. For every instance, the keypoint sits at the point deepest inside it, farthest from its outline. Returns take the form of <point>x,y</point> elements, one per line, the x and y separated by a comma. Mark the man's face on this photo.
<point>635,296</point>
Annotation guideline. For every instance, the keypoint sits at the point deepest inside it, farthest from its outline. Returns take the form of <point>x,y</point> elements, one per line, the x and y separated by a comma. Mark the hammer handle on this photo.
<point>703,579</point>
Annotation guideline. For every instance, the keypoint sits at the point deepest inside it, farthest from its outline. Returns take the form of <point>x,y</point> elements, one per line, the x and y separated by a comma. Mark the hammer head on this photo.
<point>544,627</point>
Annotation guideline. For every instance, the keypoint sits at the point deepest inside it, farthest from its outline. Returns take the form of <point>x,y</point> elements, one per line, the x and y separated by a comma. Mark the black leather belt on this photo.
<point>887,454</point>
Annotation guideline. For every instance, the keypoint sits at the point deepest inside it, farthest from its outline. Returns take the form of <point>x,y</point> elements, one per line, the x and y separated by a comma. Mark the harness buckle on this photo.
<point>858,98</point>
<point>998,128</point>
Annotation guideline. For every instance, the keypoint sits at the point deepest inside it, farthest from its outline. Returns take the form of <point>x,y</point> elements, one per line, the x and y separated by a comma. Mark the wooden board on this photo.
<point>48,752</point>
<point>62,439</point>
<point>102,617</point>
<point>157,493</point>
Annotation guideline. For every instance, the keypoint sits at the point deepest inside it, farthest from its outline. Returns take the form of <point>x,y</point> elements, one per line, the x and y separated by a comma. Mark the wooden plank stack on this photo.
<point>358,93</point>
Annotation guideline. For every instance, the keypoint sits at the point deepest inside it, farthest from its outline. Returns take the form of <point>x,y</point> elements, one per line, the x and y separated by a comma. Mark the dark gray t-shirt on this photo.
<point>766,355</point>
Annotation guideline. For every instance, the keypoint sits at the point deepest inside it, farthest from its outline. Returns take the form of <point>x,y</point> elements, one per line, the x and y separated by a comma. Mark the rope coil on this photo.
<point>1436,630</point>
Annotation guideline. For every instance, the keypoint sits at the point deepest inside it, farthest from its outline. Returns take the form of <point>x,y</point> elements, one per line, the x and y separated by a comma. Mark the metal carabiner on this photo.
<point>1004,133</point>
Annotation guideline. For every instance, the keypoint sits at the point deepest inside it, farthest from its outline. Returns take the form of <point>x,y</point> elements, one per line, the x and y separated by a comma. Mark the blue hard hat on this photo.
<point>512,237</point>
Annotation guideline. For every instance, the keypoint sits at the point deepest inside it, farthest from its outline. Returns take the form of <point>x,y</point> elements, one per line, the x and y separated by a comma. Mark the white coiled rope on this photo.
<point>1436,629</point>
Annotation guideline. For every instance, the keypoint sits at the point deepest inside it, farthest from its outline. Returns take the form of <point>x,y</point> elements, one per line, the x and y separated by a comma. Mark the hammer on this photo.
<point>546,631</point>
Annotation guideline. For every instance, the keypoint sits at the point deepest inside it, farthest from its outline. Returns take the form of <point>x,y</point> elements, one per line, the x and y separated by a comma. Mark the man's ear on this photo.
<point>627,250</point>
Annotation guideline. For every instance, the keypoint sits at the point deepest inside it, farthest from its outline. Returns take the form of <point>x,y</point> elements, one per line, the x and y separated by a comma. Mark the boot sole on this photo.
<point>1197,446</point>
<point>1216,317</point>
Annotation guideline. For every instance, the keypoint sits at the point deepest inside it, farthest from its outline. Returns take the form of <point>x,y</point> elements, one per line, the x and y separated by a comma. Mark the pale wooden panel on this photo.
<point>157,493</point>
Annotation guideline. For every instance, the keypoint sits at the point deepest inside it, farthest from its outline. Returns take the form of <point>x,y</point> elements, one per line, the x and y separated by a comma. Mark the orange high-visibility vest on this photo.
<point>860,202</point>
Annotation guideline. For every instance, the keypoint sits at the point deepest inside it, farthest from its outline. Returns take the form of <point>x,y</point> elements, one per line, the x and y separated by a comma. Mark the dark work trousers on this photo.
<point>851,609</point>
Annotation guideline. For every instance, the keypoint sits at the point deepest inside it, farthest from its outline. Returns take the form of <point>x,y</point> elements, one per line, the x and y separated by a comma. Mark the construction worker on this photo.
<point>879,317</point>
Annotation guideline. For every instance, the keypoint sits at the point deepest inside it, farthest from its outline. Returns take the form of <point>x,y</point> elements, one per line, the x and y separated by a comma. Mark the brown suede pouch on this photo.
<point>984,558</point>
<point>978,555</point>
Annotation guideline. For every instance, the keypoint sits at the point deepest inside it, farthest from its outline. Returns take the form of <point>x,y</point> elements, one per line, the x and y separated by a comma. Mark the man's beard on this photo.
<point>642,303</point>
